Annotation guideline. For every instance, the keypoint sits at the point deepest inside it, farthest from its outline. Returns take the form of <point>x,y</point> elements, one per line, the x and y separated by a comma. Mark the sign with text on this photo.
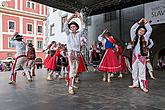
<point>155,12</point>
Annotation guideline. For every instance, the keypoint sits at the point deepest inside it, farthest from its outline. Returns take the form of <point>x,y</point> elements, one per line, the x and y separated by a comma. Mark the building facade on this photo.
<point>55,24</point>
<point>25,17</point>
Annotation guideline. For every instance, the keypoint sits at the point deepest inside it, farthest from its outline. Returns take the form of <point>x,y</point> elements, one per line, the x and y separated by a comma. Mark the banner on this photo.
<point>155,12</point>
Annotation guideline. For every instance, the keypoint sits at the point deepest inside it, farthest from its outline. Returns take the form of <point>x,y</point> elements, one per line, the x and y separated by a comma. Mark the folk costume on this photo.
<point>121,59</point>
<point>95,57</point>
<point>73,48</point>
<point>64,63</point>
<point>139,56</point>
<point>52,64</point>
<point>20,57</point>
<point>109,62</point>
<point>51,49</point>
<point>31,55</point>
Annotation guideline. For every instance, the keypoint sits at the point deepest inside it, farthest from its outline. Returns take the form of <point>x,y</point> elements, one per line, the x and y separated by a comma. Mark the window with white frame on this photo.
<point>30,4</point>
<point>39,44</point>
<point>52,30</point>
<point>11,25</point>
<point>39,29</point>
<point>63,19</point>
<point>29,41</point>
<point>29,27</point>
<point>9,44</point>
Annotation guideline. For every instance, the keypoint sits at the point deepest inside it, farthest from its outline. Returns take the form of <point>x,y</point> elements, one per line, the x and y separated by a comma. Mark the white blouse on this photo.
<point>73,40</point>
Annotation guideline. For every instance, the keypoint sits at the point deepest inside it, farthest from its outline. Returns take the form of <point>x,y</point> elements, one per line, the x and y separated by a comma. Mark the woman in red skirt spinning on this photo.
<point>109,63</point>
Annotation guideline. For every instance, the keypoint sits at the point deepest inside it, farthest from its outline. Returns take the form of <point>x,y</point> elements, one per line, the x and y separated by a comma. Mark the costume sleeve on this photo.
<point>66,28</point>
<point>133,31</point>
<point>151,43</point>
<point>101,39</point>
<point>149,31</point>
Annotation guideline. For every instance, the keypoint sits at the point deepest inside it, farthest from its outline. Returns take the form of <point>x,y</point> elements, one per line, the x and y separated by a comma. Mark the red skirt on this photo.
<point>46,59</point>
<point>51,64</point>
<point>109,62</point>
<point>81,66</point>
<point>122,63</point>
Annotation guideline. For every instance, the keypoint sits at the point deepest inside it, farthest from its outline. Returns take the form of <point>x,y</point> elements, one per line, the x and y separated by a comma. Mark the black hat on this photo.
<point>30,45</point>
<point>18,37</point>
<point>141,26</point>
<point>73,23</point>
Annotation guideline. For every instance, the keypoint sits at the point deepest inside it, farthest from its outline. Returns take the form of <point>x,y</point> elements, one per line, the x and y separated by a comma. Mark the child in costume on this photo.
<point>109,62</point>
<point>140,36</point>
<point>31,55</point>
<point>73,47</point>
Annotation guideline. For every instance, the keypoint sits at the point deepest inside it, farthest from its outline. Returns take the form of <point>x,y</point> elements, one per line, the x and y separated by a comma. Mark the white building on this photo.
<point>54,25</point>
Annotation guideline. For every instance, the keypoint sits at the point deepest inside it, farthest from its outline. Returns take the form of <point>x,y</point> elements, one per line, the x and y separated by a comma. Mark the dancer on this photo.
<point>20,56</point>
<point>31,55</point>
<point>94,58</point>
<point>73,47</point>
<point>121,59</point>
<point>149,66</point>
<point>50,50</point>
<point>109,63</point>
<point>64,62</point>
<point>139,36</point>
<point>52,64</point>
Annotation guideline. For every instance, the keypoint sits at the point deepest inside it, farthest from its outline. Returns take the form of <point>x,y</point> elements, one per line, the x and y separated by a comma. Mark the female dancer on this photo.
<point>109,63</point>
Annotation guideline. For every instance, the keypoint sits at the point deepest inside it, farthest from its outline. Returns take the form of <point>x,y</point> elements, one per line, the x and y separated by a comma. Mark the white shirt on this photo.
<point>103,40</point>
<point>73,40</point>
<point>20,47</point>
<point>146,36</point>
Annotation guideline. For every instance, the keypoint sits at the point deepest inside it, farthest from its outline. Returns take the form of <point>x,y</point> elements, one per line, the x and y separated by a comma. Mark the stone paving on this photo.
<point>93,94</point>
